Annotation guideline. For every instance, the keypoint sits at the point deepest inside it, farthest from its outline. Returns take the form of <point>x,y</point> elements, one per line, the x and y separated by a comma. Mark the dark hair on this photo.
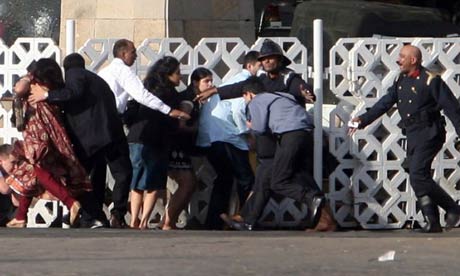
<point>254,85</point>
<point>158,74</point>
<point>5,150</point>
<point>199,73</point>
<point>32,67</point>
<point>74,60</point>
<point>48,72</point>
<point>250,58</point>
<point>119,46</point>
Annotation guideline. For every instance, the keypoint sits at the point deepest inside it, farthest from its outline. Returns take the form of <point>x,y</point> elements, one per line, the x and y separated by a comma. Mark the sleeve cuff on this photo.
<point>165,109</point>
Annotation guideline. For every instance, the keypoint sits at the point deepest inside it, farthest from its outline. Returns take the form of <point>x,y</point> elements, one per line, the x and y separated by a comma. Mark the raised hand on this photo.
<point>204,95</point>
<point>307,94</point>
<point>37,94</point>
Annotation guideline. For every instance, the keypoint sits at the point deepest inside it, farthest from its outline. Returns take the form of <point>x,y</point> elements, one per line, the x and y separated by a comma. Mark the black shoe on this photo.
<point>440,197</point>
<point>315,205</point>
<point>431,227</point>
<point>431,214</point>
<point>452,219</point>
<point>240,226</point>
<point>92,224</point>
<point>236,225</point>
<point>117,222</point>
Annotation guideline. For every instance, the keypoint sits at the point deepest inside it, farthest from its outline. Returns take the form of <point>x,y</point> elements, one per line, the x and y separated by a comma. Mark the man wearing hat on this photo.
<point>275,78</point>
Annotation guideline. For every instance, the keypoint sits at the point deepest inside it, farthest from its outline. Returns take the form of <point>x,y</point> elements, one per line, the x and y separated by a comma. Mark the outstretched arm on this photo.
<point>74,89</point>
<point>377,110</point>
<point>134,87</point>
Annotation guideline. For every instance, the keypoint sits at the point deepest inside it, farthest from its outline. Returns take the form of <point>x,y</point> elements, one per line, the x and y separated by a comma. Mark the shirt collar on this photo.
<point>246,72</point>
<point>414,74</point>
<point>118,60</point>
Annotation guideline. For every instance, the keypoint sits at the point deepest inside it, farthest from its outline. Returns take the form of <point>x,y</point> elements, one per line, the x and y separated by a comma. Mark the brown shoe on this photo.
<point>116,222</point>
<point>14,223</point>
<point>237,218</point>
<point>326,221</point>
<point>75,210</point>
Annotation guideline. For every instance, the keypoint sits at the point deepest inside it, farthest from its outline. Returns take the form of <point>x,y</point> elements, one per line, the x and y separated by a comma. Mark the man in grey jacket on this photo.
<point>279,113</point>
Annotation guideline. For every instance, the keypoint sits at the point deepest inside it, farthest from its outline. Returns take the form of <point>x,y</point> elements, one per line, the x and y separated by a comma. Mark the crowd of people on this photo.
<point>145,132</point>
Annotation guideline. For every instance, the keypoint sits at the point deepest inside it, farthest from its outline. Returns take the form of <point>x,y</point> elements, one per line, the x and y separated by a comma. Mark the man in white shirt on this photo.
<point>125,84</point>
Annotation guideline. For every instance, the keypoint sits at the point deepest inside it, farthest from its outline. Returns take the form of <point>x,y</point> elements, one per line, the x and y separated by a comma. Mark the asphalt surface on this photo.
<point>185,252</point>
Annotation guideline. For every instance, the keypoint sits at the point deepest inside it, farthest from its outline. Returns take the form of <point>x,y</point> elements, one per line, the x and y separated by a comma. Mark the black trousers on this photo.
<point>293,166</point>
<point>116,156</point>
<point>289,173</point>
<point>422,146</point>
<point>229,162</point>
<point>261,192</point>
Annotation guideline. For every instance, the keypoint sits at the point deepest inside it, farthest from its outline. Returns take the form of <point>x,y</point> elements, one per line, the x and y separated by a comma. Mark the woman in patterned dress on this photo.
<point>46,155</point>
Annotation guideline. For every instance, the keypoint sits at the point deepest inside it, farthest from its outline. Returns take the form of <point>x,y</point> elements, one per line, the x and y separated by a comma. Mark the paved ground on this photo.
<point>131,252</point>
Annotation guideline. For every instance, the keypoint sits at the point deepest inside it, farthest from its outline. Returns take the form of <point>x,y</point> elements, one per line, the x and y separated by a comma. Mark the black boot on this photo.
<point>315,205</point>
<point>443,199</point>
<point>431,214</point>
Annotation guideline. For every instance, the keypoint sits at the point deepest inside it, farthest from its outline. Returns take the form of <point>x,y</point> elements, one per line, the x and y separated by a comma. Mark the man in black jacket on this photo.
<point>419,96</point>
<point>96,130</point>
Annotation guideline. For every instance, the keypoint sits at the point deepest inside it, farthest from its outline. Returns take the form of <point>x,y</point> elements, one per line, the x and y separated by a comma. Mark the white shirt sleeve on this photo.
<point>134,87</point>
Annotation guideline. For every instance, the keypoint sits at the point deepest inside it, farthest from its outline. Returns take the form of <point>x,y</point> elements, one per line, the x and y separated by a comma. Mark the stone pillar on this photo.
<point>140,19</point>
<point>212,18</point>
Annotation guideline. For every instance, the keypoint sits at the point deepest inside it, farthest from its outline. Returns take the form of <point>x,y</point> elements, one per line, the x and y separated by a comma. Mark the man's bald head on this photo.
<point>414,52</point>
<point>410,59</point>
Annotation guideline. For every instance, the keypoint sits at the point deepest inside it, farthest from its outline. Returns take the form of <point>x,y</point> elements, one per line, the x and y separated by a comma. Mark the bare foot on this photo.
<point>75,213</point>
<point>134,223</point>
<point>168,227</point>
<point>144,224</point>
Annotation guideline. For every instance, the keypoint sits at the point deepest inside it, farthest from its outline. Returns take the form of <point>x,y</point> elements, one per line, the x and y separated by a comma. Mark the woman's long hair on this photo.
<point>47,72</point>
<point>158,75</point>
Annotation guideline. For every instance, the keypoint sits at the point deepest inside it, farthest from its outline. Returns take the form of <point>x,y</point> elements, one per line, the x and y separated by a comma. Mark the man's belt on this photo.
<point>423,117</point>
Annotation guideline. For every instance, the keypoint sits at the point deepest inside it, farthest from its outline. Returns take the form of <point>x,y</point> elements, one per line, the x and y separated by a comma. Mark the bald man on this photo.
<point>420,95</point>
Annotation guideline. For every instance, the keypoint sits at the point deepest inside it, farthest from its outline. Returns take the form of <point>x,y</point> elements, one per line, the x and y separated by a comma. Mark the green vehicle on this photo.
<point>368,19</point>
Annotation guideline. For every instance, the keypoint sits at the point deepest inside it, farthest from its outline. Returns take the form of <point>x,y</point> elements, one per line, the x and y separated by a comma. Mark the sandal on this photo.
<point>14,223</point>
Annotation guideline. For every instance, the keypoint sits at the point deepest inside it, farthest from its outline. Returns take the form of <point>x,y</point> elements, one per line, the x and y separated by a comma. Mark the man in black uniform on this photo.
<point>276,78</point>
<point>419,96</point>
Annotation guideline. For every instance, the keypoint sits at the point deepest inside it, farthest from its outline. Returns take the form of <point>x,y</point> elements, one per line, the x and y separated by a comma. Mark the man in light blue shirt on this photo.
<point>232,112</point>
<point>223,129</point>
